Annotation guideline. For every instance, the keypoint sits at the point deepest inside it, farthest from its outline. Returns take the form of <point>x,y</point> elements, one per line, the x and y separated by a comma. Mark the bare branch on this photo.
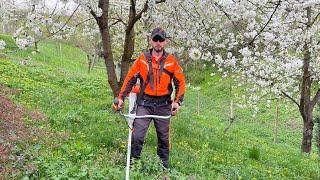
<point>58,18</point>
<point>160,1</point>
<point>54,10</point>
<point>93,13</point>
<point>64,25</point>
<point>118,18</point>
<point>316,98</point>
<point>315,19</point>
<point>285,94</point>
<point>232,119</point>
<point>116,22</point>
<point>83,22</point>
<point>145,8</point>
<point>138,16</point>
<point>228,16</point>
<point>262,29</point>
<point>259,8</point>
<point>291,98</point>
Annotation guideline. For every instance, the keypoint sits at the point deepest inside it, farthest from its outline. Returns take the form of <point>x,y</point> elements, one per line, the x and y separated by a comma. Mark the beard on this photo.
<point>158,49</point>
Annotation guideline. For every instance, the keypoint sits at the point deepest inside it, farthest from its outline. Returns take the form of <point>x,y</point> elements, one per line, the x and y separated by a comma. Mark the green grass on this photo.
<point>86,140</point>
<point>10,43</point>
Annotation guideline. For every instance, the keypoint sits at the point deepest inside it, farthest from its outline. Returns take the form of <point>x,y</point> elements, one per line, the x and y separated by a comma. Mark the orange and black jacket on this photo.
<point>155,76</point>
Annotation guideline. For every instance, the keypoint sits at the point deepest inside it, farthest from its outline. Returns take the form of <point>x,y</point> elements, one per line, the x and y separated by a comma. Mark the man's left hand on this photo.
<point>174,108</point>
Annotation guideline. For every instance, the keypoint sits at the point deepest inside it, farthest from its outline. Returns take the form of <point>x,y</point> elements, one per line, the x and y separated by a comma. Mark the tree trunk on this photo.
<point>308,124</point>
<point>89,62</point>
<point>102,22</point>
<point>306,104</point>
<point>36,46</point>
<point>127,54</point>
<point>108,60</point>
<point>128,47</point>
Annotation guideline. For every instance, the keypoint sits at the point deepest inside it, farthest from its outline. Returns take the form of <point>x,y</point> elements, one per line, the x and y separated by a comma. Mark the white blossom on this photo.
<point>207,56</point>
<point>195,54</point>
<point>245,52</point>
<point>218,59</point>
<point>23,43</point>
<point>249,14</point>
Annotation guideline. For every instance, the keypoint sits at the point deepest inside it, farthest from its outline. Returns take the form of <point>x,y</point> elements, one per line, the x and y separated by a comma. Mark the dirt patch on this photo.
<point>14,133</point>
<point>11,115</point>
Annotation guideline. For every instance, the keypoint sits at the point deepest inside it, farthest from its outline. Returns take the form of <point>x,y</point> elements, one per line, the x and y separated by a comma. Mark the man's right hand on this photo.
<point>117,104</point>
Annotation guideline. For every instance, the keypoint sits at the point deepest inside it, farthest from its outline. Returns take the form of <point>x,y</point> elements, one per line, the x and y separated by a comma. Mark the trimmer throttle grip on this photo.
<point>116,101</point>
<point>115,104</point>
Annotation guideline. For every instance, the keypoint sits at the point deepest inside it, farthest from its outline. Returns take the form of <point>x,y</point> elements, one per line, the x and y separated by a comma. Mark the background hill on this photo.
<point>56,122</point>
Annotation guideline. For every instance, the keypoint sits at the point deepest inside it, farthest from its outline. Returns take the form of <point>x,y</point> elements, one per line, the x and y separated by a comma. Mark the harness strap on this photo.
<point>168,72</point>
<point>150,74</point>
<point>162,62</point>
<point>149,79</point>
<point>147,55</point>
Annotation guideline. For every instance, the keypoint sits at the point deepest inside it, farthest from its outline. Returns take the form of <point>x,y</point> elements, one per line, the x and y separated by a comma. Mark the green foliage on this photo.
<point>196,74</point>
<point>316,120</point>
<point>150,167</point>
<point>86,140</point>
<point>254,153</point>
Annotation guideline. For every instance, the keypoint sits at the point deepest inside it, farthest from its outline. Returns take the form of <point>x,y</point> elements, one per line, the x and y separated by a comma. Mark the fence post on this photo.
<point>275,138</point>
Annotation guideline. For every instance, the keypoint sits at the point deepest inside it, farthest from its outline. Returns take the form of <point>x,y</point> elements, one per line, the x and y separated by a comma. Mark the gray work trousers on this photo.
<point>141,126</point>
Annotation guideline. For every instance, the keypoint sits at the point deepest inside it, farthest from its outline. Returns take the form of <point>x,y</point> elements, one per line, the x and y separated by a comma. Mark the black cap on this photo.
<point>158,32</point>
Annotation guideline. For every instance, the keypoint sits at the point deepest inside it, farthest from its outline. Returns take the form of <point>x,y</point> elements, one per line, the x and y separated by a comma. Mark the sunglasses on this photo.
<point>158,38</point>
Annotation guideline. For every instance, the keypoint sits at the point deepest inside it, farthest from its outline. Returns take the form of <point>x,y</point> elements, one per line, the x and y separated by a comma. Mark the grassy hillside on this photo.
<point>81,138</point>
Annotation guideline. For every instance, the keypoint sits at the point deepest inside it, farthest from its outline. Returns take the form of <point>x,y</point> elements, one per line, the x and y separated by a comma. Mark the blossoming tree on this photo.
<point>37,21</point>
<point>271,44</point>
<point>115,22</point>
<point>127,14</point>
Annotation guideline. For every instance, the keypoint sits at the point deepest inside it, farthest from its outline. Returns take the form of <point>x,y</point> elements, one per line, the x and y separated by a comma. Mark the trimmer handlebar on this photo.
<point>149,116</point>
<point>116,102</point>
<point>130,117</point>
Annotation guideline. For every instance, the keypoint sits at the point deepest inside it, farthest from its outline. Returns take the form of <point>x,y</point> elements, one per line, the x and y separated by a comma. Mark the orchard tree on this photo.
<point>107,14</point>
<point>38,21</point>
<point>114,20</point>
<point>271,46</point>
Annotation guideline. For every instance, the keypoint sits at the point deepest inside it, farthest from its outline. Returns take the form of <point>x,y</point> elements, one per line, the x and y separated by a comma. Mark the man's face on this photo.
<point>158,43</point>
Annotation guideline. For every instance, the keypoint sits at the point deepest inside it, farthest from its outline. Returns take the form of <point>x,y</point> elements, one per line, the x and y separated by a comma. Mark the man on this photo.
<point>156,69</point>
